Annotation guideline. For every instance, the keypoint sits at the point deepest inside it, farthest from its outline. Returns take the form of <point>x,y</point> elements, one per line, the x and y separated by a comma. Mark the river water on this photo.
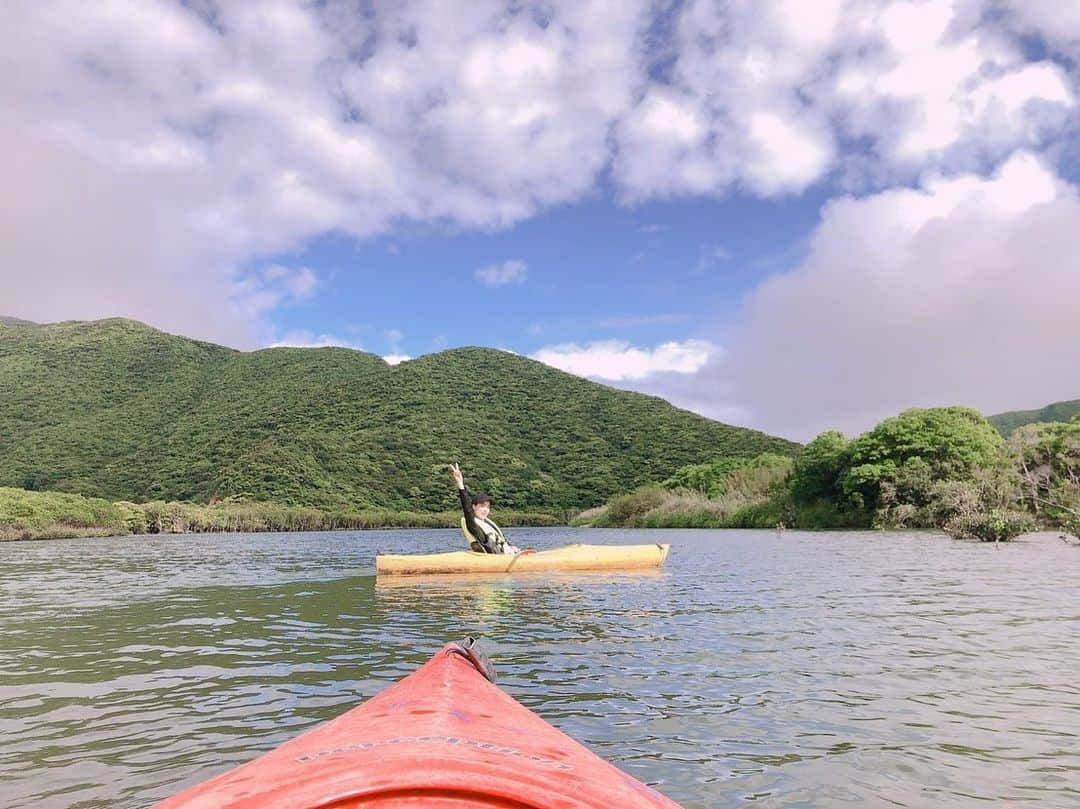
<point>794,670</point>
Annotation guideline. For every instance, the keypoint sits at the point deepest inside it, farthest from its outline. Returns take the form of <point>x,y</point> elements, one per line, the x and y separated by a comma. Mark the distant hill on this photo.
<point>1007,423</point>
<point>116,409</point>
<point>14,321</point>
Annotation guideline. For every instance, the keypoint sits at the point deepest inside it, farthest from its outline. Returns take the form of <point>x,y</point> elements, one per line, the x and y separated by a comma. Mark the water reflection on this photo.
<point>803,670</point>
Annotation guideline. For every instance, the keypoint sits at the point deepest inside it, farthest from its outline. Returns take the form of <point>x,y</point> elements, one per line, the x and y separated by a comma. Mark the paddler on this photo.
<point>483,535</point>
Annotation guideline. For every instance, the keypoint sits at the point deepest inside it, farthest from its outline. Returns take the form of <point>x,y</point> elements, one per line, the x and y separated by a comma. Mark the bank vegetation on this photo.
<point>939,468</point>
<point>56,515</point>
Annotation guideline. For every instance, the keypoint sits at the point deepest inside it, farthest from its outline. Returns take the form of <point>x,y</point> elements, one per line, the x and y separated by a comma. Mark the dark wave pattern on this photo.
<point>802,670</point>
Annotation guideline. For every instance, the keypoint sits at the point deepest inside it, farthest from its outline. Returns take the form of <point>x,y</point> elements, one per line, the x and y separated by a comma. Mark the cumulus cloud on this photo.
<point>513,271</point>
<point>298,284</point>
<point>272,287</point>
<point>762,94</point>
<point>618,360</point>
<point>1056,22</point>
<point>174,144</point>
<point>960,291</point>
<point>154,151</point>
<point>302,338</point>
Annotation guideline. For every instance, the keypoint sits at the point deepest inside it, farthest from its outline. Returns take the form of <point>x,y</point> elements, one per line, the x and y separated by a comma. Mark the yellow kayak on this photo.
<point>569,557</point>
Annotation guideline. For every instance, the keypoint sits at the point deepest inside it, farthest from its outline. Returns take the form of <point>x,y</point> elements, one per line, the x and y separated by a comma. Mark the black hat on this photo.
<point>480,498</point>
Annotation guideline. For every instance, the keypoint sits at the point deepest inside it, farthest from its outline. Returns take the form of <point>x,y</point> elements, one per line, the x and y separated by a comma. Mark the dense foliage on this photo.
<point>1048,461</point>
<point>752,494</point>
<point>40,515</point>
<point>943,468</point>
<point>709,479</point>
<point>893,469</point>
<point>117,410</point>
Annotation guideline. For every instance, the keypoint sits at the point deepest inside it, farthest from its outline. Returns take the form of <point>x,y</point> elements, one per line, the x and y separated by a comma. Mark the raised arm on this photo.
<point>467,510</point>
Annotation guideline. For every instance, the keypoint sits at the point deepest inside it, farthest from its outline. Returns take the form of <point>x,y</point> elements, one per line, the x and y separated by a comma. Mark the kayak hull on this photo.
<point>569,557</point>
<point>442,737</point>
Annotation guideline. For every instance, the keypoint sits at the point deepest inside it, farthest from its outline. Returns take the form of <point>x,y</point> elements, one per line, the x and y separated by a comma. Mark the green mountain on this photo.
<point>14,321</point>
<point>1007,423</point>
<point>119,410</point>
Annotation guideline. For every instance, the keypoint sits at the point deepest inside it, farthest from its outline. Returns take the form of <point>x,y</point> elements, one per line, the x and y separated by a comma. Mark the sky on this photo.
<point>792,215</point>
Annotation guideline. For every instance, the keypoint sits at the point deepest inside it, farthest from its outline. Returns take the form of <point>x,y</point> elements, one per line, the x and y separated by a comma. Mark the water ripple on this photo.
<point>804,670</point>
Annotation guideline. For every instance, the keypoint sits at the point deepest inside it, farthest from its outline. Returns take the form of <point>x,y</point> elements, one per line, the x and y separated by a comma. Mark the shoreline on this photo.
<point>32,516</point>
<point>90,533</point>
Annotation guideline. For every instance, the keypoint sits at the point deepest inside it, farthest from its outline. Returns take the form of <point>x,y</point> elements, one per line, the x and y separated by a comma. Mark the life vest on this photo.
<point>492,533</point>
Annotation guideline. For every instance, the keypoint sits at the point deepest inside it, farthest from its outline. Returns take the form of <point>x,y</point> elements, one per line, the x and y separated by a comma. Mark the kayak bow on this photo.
<point>444,737</point>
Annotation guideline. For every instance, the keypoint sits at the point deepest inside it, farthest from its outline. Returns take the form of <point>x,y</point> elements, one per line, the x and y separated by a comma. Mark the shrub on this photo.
<point>36,515</point>
<point>626,509</point>
<point>994,525</point>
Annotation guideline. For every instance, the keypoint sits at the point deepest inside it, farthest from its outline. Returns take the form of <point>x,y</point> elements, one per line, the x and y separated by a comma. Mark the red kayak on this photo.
<point>443,737</point>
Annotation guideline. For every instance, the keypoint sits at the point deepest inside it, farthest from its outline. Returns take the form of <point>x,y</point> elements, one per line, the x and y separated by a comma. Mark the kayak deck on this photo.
<point>445,736</point>
<point>569,557</point>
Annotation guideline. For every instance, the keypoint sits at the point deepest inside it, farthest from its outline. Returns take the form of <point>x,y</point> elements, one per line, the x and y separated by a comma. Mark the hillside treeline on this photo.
<point>117,410</point>
<point>938,468</point>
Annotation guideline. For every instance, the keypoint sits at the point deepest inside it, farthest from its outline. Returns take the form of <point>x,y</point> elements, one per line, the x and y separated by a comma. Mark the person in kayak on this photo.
<point>484,536</point>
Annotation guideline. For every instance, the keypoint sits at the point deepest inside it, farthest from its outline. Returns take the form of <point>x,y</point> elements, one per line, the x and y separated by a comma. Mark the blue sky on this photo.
<point>788,214</point>
<point>593,270</point>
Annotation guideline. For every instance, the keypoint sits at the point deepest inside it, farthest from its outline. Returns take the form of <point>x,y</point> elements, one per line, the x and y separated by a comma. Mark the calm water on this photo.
<point>808,670</point>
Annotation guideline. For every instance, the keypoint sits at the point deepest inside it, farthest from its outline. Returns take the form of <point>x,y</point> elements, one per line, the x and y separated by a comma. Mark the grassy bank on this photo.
<point>53,515</point>
<point>725,494</point>
<point>657,507</point>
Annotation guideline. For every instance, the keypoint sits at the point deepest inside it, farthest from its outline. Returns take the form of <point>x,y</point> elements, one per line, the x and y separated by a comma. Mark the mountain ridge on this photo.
<point>118,409</point>
<point>1008,422</point>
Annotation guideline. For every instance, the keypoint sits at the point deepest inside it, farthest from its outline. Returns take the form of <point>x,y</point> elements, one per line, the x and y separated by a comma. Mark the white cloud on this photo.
<point>762,93</point>
<point>174,144</point>
<point>785,154</point>
<point>939,85</point>
<point>617,360</point>
<point>1057,22</point>
<point>512,271</point>
<point>171,145</point>
<point>396,359</point>
<point>301,338</point>
<point>962,291</point>
<point>271,287</point>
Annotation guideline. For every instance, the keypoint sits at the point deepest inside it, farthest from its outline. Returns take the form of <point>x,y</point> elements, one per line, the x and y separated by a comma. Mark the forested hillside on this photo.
<point>1008,423</point>
<point>118,410</point>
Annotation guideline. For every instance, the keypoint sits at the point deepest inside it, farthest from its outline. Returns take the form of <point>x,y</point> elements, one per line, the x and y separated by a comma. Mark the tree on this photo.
<point>820,467</point>
<point>983,507</point>
<point>1048,460</point>
<point>898,461</point>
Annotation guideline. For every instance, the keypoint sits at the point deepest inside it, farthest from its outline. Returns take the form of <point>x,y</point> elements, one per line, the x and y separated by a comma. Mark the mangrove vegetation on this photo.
<point>938,468</point>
